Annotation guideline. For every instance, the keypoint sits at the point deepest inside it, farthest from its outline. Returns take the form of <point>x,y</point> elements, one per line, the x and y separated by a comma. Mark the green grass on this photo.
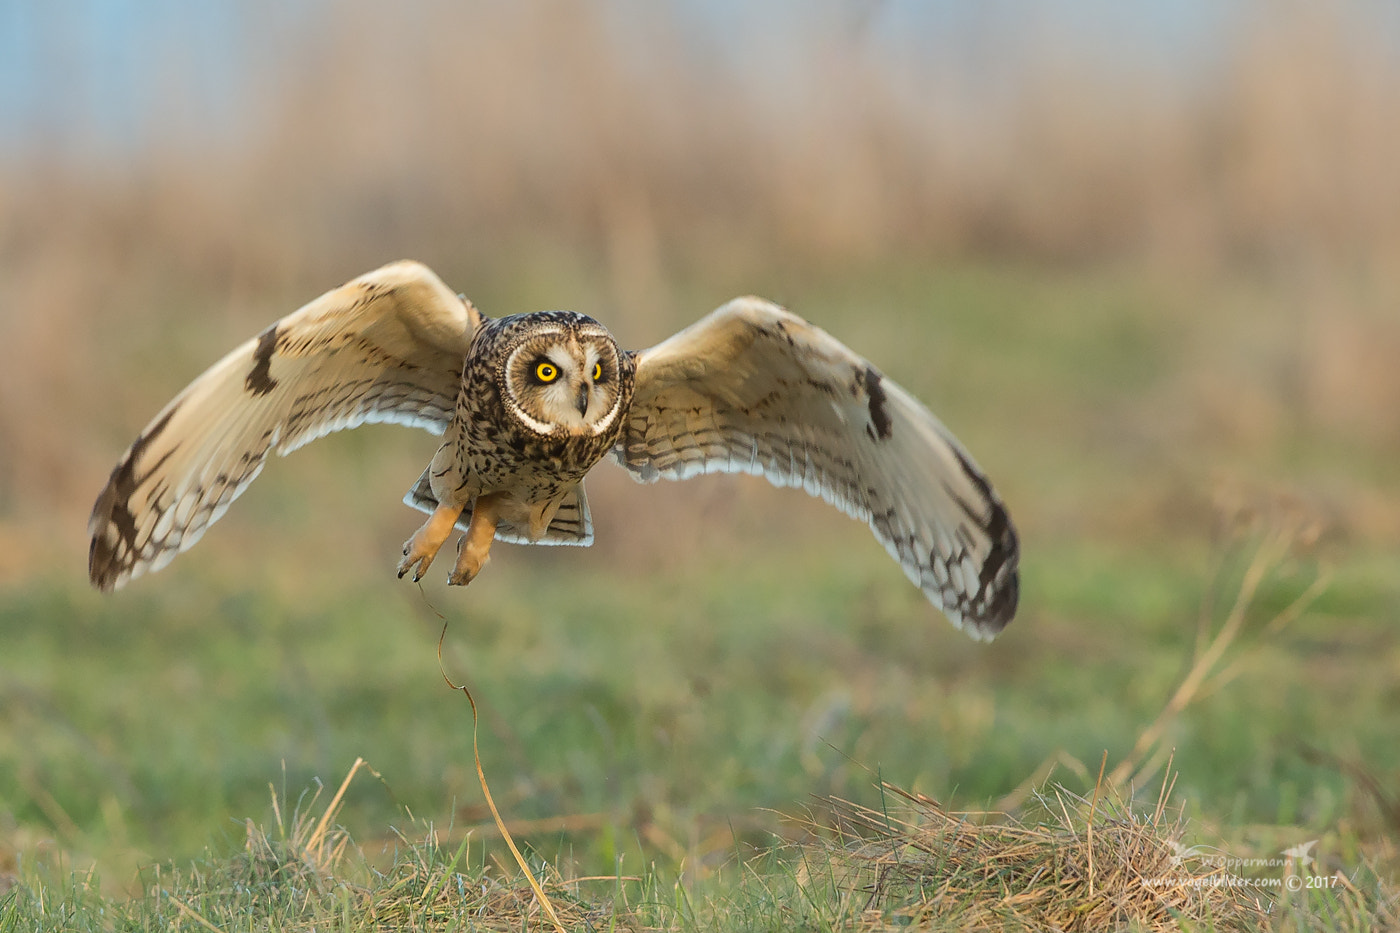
<point>1080,864</point>
<point>655,705</point>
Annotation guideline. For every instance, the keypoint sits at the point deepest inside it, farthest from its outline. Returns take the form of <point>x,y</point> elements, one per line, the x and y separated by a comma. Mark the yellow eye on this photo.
<point>597,371</point>
<point>546,372</point>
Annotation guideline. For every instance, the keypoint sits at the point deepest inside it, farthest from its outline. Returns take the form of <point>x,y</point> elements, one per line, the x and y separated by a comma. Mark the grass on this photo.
<point>1158,308</point>
<point>654,706</point>
<point>1077,864</point>
<point>668,794</point>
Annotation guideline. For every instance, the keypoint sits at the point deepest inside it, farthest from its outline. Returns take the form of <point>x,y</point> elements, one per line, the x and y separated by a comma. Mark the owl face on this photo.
<point>561,375</point>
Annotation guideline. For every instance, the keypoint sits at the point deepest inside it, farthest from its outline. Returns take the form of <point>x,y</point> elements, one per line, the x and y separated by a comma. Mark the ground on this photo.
<point>728,656</point>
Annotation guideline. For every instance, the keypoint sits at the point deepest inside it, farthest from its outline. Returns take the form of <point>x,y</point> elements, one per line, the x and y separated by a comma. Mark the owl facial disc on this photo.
<point>562,380</point>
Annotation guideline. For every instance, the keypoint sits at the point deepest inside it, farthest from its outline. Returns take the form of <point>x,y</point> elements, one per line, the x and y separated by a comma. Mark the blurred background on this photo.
<point>1144,259</point>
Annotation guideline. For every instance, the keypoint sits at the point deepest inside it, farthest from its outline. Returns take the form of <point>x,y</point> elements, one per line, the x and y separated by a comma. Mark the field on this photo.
<point>1199,452</point>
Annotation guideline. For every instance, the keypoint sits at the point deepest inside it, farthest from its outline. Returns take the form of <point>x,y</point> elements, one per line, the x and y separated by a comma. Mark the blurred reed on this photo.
<point>495,141</point>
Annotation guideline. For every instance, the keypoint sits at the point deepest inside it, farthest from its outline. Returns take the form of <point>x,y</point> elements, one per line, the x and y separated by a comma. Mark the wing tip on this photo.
<point>105,572</point>
<point>998,613</point>
<point>1000,577</point>
<point>109,565</point>
<point>1003,600</point>
<point>982,605</point>
<point>102,572</point>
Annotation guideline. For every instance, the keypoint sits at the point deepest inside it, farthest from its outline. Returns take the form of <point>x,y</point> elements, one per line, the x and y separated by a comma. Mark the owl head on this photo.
<point>562,374</point>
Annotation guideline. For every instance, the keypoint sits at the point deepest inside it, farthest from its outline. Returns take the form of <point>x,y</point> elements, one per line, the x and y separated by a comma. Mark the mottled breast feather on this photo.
<point>755,389</point>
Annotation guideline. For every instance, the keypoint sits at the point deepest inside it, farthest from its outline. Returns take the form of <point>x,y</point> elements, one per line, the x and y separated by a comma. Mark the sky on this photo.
<point>107,76</point>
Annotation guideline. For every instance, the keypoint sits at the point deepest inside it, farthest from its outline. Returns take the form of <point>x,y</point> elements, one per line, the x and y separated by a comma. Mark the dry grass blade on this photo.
<point>316,845</point>
<point>192,913</point>
<point>540,897</point>
<point>424,892</point>
<point>1285,531</point>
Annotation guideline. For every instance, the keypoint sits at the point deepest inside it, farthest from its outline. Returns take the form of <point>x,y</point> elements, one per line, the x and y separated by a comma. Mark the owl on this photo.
<point>527,405</point>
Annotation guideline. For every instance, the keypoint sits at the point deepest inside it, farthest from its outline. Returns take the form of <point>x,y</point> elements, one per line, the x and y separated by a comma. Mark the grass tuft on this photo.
<point>1082,864</point>
<point>305,873</point>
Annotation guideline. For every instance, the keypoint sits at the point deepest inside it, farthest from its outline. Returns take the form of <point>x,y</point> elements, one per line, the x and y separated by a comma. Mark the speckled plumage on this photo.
<point>750,388</point>
<point>487,448</point>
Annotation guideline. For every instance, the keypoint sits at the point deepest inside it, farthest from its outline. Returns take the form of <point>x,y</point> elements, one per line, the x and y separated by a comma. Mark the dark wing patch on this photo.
<point>879,417</point>
<point>998,578</point>
<point>259,381</point>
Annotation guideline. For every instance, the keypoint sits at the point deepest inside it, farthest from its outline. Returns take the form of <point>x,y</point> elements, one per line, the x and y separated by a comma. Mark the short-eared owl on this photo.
<point>526,405</point>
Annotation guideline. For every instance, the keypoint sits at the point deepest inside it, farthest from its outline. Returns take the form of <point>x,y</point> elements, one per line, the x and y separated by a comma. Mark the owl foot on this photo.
<point>420,549</point>
<point>476,544</point>
<point>467,567</point>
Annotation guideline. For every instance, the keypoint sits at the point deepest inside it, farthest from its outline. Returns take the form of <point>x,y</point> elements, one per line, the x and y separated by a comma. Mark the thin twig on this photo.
<point>540,896</point>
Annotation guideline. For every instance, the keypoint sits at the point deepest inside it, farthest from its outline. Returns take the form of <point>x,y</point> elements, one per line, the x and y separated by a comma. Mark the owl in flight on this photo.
<point>527,404</point>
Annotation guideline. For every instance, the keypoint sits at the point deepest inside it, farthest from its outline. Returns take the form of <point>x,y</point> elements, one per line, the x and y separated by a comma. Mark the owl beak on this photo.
<point>581,401</point>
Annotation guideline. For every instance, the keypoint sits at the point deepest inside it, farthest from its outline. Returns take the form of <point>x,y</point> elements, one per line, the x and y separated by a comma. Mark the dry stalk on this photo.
<point>1281,538</point>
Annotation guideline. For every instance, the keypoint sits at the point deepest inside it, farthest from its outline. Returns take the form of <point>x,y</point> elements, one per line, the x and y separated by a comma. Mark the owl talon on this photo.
<point>461,577</point>
<point>458,576</point>
<point>418,563</point>
<point>419,550</point>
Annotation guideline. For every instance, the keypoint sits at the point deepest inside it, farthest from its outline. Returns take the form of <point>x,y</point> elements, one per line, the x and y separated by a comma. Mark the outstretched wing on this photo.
<point>387,346</point>
<point>755,389</point>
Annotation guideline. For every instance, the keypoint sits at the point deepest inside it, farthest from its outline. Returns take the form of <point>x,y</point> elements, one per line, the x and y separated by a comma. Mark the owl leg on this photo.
<point>476,545</point>
<point>427,540</point>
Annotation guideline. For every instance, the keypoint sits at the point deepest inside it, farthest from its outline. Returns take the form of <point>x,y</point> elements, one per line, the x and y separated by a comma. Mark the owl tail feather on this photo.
<point>572,524</point>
